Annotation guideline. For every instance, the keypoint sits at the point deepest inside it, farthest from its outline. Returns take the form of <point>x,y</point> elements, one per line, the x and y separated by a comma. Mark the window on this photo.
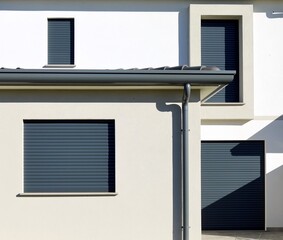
<point>220,47</point>
<point>60,41</point>
<point>238,106</point>
<point>69,156</point>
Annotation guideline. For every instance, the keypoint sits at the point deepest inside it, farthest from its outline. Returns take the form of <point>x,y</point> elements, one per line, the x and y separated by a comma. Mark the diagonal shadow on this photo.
<point>176,163</point>
<point>233,179</point>
<point>274,197</point>
<point>227,212</point>
<point>273,136</point>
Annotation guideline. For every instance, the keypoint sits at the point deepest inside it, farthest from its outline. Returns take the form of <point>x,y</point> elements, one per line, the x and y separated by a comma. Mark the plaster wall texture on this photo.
<point>102,39</point>
<point>268,51</point>
<point>267,124</point>
<point>145,146</point>
<point>271,132</point>
<point>107,35</point>
<point>124,35</point>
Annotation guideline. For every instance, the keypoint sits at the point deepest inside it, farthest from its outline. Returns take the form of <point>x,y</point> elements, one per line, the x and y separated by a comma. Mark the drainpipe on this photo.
<point>185,119</point>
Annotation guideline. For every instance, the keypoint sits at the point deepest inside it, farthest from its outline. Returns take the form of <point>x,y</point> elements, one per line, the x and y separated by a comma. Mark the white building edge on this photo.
<point>145,199</point>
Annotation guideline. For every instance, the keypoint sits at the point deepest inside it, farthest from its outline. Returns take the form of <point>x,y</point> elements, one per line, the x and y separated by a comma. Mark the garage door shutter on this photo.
<point>232,185</point>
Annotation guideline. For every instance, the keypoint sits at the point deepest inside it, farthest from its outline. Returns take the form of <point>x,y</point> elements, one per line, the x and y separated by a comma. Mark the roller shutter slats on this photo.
<point>61,41</point>
<point>64,156</point>
<point>220,47</point>
<point>232,185</point>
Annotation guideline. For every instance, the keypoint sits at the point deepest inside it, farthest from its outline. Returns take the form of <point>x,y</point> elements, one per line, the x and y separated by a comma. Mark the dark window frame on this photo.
<point>61,41</point>
<point>226,57</point>
<point>95,165</point>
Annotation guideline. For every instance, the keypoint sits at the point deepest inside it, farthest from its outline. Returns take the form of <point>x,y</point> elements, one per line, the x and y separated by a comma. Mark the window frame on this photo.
<point>244,109</point>
<point>230,93</point>
<point>69,193</point>
<point>59,65</point>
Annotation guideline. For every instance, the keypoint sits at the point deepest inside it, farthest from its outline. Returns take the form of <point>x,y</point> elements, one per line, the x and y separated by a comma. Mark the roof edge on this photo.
<point>84,77</point>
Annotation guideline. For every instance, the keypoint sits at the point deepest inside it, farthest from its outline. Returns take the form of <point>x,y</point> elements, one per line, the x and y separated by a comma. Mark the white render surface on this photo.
<point>108,35</point>
<point>144,207</point>
<point>102,39</point>
<point>268,51</point>
<point>271,132</point>
<point>129,34</point>
<point>268,104</point>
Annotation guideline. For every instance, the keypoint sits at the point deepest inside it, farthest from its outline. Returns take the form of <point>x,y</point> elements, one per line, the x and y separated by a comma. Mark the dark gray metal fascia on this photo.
<point>114,77</point>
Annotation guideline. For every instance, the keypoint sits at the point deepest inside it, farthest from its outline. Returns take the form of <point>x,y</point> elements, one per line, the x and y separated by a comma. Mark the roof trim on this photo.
<point>72,77</point>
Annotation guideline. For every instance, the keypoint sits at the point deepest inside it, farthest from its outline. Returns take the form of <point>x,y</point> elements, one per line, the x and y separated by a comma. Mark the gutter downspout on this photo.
<point>185,123</point>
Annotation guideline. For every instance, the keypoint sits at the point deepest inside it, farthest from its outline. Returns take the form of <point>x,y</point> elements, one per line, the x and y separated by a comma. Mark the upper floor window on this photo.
<point>222,35</point>
<point>220,47</point>
<point>60,41</point>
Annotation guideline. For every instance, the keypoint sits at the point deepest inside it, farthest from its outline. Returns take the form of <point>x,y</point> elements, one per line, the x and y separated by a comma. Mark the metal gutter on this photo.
<point>67,77</point>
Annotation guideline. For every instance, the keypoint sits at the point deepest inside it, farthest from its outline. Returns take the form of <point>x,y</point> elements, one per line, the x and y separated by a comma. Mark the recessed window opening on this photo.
<point>63,156</point>
<point>60,41</point>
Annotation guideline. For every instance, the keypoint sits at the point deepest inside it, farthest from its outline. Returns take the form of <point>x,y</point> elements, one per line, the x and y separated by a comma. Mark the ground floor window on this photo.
<point>69,156</point>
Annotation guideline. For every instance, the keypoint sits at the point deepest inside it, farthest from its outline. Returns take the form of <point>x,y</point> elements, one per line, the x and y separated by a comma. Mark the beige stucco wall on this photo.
<point>195,168</point>
<point>148,167</point>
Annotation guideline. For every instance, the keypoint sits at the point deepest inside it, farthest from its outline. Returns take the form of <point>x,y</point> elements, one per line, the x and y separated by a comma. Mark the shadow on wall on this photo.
<point>164,100</point>
<point>90,96</point>
<point>274,180</point>
<point>176,163</point>
<point>227,212</point>
<point>274,14</point>
<point>273,136</point>
<point>271,9</point>
<point>233,185</point>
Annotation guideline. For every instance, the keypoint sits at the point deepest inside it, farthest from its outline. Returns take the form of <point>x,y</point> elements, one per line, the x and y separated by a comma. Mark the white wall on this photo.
<point>127,34</point>
<point>271,132</point>
<point>268,108</point>
<point>107,35</point>
<point>268,52</point>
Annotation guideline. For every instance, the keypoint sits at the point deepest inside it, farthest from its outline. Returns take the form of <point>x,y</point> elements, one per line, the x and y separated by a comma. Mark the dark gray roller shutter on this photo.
<point>232,185</point>
<point>69,156</point>
<point>220,47</point>
<point>61,41</point>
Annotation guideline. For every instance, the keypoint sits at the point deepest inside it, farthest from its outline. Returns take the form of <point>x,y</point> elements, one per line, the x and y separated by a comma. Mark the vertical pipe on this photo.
<point>185,123</point>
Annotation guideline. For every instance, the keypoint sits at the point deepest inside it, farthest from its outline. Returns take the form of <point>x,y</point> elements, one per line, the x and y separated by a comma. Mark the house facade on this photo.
<point>93,125</point>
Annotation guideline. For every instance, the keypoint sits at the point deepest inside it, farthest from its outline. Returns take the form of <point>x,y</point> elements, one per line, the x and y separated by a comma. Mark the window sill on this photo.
<point>223,104</point>
<point>59,66</point>
<point>71,194</point>
<point>226,111</point>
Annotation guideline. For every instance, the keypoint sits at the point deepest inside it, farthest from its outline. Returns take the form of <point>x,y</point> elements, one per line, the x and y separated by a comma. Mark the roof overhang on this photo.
<point>206,80</point>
